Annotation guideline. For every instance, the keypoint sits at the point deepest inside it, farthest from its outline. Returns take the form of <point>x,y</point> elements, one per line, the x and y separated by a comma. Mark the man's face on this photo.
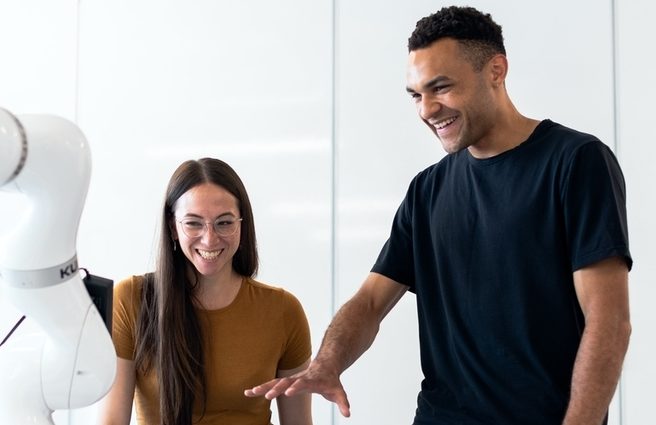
<point>454,100</point>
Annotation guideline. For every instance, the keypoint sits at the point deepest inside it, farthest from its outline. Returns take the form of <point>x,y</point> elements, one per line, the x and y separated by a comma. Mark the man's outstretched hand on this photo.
<point>314,379</point>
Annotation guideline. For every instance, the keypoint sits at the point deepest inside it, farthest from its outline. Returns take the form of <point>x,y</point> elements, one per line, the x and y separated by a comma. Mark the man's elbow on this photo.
<point>625,330</point>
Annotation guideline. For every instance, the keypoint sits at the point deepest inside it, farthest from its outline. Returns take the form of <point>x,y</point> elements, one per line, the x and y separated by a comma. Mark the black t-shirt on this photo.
<point>489,247</point>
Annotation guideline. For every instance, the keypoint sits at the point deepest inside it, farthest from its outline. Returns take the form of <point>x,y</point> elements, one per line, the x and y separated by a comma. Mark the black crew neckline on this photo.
<point>535,135</point>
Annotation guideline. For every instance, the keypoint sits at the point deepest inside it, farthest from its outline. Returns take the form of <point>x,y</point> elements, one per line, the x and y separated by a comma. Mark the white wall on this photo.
<point>325,140</point>
<point>248,82</point>
<point>636,151</point>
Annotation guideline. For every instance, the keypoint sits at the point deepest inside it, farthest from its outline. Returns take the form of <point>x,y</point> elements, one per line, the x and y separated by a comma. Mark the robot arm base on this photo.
<point>67,362</point>
<point>21,399</point>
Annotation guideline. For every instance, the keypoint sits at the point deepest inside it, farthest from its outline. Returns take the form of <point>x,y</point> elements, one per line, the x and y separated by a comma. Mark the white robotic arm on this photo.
<point>70,362</point>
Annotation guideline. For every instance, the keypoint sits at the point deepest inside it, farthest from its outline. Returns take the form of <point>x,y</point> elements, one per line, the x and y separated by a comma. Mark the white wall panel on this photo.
<point>38,56</point>
<point>248,82</point>
<point>381,145</point>
<point>637,150</point>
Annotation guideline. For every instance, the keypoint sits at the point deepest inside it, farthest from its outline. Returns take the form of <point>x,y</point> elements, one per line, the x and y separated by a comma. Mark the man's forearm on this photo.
<point>350,334</point>
<point>596,372</point>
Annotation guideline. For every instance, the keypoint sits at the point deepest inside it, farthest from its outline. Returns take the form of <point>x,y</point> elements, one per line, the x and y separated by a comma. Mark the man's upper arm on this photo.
<point>602,290</point>
<point>381,293</point>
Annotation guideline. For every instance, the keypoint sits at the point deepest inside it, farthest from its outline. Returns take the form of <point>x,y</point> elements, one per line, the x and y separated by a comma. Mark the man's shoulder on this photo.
<point>563,137</point>
<point>434,173</point>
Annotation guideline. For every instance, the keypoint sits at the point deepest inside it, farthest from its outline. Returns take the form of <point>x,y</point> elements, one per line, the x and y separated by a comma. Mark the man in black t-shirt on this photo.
<point>515,245</point>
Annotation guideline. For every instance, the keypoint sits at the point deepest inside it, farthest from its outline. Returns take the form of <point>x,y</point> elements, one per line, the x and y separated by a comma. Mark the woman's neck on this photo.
<point>213,293</point>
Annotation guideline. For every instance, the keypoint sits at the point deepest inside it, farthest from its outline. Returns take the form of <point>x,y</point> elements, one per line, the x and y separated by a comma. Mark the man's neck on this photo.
<point>509,132</point>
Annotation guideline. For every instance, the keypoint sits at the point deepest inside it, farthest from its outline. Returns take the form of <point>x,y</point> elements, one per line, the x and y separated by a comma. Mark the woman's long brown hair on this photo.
<point>168,335</point>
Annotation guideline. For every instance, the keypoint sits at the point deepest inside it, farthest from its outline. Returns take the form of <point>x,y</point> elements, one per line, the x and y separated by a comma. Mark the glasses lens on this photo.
<point>193,228</point>
<point>224,227</point>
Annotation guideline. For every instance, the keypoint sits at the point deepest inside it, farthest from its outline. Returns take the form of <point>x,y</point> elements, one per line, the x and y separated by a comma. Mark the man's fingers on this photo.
<point>279,388</point>
<point>343,404</point>
<point>341,400</point>
<point>296,387</point>
<point>344,409</point>
<point>260,390</point>
<point>330,388</point>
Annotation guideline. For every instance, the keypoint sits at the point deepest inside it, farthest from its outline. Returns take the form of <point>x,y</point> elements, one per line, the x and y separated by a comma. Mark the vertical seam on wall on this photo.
<point>616,149</point>
<point>76,101</point>
<point>333,200</point>
<point>616,141</point>
<point>77,62</point>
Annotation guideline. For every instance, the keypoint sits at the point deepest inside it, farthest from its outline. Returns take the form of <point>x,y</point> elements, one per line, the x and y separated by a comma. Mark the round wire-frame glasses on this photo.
<point>224,227</point>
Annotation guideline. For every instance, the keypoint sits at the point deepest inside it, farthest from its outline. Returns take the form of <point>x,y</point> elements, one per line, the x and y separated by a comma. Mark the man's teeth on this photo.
<point>440,125</point>
<point>208,255</point>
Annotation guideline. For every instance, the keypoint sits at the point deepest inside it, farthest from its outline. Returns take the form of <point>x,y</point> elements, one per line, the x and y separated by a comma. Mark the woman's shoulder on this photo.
<point>129,289</point>
<point>260,286</point>
<point>265,291</point>
<point>259,289</point>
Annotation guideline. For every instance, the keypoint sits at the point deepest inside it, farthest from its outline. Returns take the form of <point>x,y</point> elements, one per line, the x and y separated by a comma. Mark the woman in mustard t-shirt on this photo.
<point>192,335</point>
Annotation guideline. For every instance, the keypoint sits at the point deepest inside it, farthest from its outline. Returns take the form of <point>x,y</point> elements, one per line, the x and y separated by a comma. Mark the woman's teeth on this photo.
<point>208,255</point>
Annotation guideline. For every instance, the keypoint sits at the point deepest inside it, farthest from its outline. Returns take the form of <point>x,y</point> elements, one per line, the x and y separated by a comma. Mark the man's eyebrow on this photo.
<point>430,83</point>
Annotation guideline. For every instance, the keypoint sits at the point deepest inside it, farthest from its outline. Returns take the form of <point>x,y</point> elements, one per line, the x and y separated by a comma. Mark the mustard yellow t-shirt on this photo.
<point>263,330</point>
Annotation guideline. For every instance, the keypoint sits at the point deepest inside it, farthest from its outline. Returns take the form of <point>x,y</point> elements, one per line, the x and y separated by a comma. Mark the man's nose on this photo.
<point>428,108</point>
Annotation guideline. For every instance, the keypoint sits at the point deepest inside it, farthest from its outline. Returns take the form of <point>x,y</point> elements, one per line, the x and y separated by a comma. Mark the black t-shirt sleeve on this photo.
<point>594,206</point>
<point>396,258</point>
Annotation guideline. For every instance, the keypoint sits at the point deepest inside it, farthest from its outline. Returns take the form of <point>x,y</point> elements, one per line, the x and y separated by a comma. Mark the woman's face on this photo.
<point>208,228</point>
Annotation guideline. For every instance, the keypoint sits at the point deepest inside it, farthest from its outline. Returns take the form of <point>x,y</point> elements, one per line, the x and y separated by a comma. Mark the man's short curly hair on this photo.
<point>480,36</point>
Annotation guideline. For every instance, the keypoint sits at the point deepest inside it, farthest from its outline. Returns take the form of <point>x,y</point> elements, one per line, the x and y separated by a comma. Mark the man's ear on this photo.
<point>498,69</point>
